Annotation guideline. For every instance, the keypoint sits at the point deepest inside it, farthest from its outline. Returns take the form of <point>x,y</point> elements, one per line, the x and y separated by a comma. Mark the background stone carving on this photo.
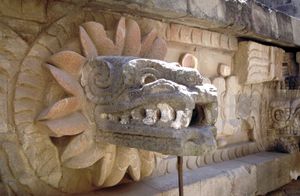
<point>29,39</point>
<point>16,170</point>
<point>284,120</point>
<point>256,63</point>
<point>39,155</point>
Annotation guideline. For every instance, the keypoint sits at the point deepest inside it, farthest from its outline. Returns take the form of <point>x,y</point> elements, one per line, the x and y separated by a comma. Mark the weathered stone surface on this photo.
<point>86,94</point>
<point>209,61</point>
<point>251,175</point>
<point>180,88</point>
<point>290,7</point>
<point>189,60</point>
<point>129,189</point>
<point>184,34</point>
<point>242,177</point>
<point>27,29</point>
<point>259,15</point>
<point>291,66</point>
<point>66,34</point>
<point>296,30</point>
<point>284,120</point>
<point>231,127</point>
<point>272,170</point>
<point>256,63</point>
<point>33,10</point>
<point>248,21</point>
<point>224,70</point>
<point>213,9</point>
<point>292,188</point>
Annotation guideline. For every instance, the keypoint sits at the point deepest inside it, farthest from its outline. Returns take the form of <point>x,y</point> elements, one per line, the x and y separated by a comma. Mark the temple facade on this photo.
<point>100,97</point>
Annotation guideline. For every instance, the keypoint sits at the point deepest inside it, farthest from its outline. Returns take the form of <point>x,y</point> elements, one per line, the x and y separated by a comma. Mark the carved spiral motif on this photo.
<point>102,82</point>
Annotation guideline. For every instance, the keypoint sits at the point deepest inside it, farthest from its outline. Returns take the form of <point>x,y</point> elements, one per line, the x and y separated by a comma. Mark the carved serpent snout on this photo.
<point>154,96</point>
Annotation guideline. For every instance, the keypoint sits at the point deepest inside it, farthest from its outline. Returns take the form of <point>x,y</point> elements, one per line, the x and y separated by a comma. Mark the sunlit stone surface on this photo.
<point>100,93</point>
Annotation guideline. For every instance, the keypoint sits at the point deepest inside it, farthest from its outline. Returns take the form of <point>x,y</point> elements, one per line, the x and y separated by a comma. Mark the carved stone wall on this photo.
<point>43,150</point>
<point>290,7</point>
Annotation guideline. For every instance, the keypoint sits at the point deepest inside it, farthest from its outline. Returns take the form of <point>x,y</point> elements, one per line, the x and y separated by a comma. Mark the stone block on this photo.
<point>274,25</point>
<point>284,26</point>
<point>272,170</point>
<point>238,14</point>
<point>241,175</point>
<point>243,17</point>
<point>213,58</point>
<point>295,170</point>
<point>256,63</point>
<point>255,174</point>
<point>224,70</point>
<point>213,9</point>
<point>290,65</point>
<point>30,10</point>
<point>220,185</point>
<point>130,189</point>
<point>296,30</point>
<point>226,178</point>
<point>196,182</point>
<point>259,18</point>
<point>175,5</point>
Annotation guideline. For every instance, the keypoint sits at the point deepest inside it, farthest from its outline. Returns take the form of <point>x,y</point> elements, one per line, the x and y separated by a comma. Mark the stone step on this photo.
<point>256,174</point>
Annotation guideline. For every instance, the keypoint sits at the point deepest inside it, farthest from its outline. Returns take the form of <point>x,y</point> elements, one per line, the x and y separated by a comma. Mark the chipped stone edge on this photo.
<point>238,18</point>
<point>228,175</point>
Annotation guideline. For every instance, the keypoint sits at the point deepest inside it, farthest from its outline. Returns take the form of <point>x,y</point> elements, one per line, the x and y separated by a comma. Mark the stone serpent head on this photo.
<point>138,98</point>
<point>135,102</point>
<point>97,105</point>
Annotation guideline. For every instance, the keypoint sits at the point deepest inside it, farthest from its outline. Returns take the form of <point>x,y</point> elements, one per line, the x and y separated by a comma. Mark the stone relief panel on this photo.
<point>231,123</point>
<point>285,120</point>
<point>25,145</point>
<point>257,63</point>
<point>290,72</point>
<point>214,51</point>
<point>48,101</point>
<point>59,164</point>
<point>242,114</point>
<point>242,121</point>
<point>283,108</point>
<point>204,38</point>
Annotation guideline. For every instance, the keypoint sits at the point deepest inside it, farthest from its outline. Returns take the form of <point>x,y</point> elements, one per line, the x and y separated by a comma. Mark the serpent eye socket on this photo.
<point>148,78</point>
